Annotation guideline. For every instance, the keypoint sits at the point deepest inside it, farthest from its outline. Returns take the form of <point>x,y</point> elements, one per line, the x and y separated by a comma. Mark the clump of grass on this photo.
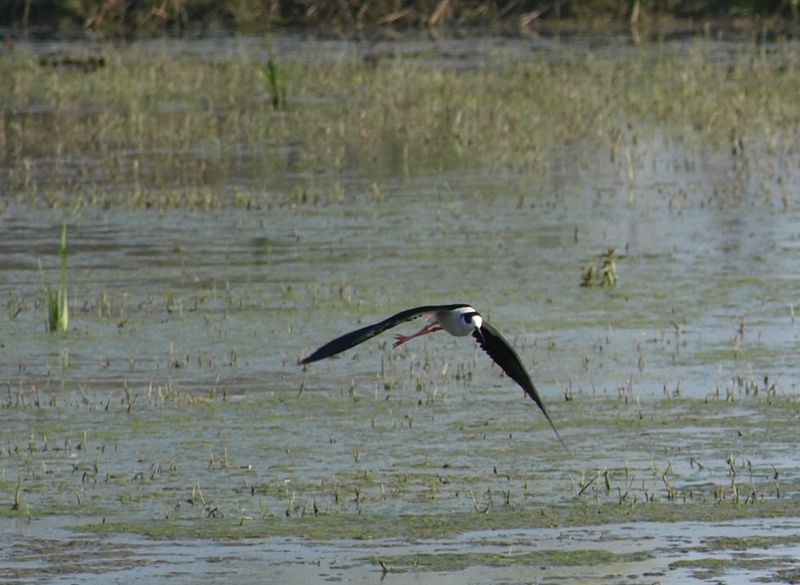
<point>606,275</point>
<point>276,84</point>
<point>610,268</point>
<point>57,306</point>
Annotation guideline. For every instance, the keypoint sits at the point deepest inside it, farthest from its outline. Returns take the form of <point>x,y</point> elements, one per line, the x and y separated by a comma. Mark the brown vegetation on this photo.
<point>119,16</point>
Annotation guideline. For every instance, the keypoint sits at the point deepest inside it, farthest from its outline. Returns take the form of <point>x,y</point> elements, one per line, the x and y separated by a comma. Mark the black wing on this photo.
<point>504,355</point>
<point>353,338</point>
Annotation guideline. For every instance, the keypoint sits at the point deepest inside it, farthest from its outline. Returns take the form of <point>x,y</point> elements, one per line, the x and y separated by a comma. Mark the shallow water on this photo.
<point>654,553</point>
<point>174,414</point>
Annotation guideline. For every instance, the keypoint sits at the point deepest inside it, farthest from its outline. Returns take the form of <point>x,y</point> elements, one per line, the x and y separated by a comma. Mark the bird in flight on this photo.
<point>459,320</point>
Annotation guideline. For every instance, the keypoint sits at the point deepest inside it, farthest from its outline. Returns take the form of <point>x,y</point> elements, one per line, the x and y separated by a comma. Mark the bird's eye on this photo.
<point>467,318</point>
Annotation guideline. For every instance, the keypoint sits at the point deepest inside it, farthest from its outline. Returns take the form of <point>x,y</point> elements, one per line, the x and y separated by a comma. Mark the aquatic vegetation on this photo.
<point>102,447</point>
<point>609,268</point>
<point>56,298</point>
<point>152,122</point>
<point>607,272</point>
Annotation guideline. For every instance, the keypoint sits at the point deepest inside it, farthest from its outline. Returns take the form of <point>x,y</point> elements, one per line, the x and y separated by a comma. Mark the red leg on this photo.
<point>400,339</point>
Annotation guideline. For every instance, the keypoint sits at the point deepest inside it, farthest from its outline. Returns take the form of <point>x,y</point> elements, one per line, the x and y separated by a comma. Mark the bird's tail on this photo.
<point>555,430</point>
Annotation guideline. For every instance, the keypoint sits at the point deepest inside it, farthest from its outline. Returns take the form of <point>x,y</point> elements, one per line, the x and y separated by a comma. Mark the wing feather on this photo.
<point>358,336</point>
<point>494,344</point>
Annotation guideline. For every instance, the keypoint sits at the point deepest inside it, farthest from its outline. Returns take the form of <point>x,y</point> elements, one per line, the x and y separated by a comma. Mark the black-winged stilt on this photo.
<point>459,320</point>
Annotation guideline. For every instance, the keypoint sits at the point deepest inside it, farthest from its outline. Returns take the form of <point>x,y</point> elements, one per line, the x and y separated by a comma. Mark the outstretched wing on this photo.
<point>353,338</point>
<point>494,344</point>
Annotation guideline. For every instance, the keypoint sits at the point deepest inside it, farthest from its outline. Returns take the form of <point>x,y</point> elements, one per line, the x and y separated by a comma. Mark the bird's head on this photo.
<point>472,318</point>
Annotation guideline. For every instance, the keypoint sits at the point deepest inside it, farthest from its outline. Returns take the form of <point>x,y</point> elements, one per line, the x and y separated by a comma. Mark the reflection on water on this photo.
<point>180,372</point>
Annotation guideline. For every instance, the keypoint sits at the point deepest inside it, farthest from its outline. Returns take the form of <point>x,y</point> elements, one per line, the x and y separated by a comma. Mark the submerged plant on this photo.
<point>57,307</point>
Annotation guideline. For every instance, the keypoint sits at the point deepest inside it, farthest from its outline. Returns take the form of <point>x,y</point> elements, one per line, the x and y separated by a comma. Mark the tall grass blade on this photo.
<point>63,307</point>
<point>275,83</point>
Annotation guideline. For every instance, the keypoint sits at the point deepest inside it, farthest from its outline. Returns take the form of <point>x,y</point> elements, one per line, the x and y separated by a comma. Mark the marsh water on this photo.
<point>169,434</point>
